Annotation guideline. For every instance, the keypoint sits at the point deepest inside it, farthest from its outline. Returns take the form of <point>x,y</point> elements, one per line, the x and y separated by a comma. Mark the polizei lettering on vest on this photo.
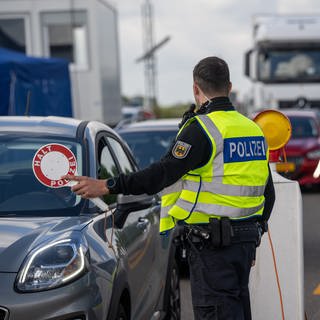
<point>244,149</point>
<point>248,149</point>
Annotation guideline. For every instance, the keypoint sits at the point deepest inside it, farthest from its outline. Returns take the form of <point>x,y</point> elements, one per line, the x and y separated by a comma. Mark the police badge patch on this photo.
<point>181,149</point>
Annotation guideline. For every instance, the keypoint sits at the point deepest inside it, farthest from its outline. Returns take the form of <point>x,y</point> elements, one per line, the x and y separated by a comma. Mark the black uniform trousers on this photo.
<point>219,280</point>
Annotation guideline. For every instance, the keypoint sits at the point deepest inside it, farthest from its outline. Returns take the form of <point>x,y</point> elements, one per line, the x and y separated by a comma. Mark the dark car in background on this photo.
<point>63,257</point>
<point>303,148</point>
<point>149,140</point>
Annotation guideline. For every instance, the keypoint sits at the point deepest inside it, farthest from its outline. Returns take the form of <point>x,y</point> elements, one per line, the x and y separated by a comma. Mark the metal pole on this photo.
<point>149,62</point>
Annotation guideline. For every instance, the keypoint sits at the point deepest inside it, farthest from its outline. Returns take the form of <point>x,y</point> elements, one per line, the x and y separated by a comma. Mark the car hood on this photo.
<point>301,146</point>
<point>18,236</point>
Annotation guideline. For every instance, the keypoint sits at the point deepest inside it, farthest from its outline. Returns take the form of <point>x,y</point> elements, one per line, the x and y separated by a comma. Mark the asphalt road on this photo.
<point>186,304</point>
<point>311,228</point>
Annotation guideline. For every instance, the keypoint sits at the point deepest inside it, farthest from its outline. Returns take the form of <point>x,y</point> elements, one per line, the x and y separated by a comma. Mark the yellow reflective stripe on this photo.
<point>233,201</point>
<point>188,195</point>
<point>179,213</point>
<point>166,224</point>
<point>258,213</point>
<point>254,173</point>
<point>169,199</point>
<point>210,198</point>
<point>199,217</point>
<point>191,177</point>
<point>214,209</point>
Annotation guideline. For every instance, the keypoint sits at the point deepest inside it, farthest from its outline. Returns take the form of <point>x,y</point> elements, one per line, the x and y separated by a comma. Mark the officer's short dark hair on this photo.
<point>211,74</point>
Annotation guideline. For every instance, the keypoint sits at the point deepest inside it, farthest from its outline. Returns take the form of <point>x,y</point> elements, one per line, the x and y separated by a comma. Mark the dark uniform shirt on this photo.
<point>171,168</point>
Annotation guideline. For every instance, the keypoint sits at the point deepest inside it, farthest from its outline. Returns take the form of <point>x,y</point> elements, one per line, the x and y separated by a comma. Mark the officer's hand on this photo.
<point>88,187</point>
<point>188,115</point>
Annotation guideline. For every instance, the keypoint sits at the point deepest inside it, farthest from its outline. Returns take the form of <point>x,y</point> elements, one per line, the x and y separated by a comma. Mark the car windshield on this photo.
<point>20,191</point>
<point>149,146</point>
<point>303,127</point>
<point>291,65</point>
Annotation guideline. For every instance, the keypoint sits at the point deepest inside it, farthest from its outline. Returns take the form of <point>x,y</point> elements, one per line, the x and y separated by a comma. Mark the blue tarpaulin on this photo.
<point>45,82</point>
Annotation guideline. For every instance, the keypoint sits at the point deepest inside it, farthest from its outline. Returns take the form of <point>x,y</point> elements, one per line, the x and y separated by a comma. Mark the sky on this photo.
<point>198,28</point>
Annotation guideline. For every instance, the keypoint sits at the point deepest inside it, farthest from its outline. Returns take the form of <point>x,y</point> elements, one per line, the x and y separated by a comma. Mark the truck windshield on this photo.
<point>303,127</point>
<point>20,191</point>
<point>292,65</point>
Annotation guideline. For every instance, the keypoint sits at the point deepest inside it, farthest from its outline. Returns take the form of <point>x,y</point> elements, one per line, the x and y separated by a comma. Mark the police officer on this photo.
<point>218,185</point>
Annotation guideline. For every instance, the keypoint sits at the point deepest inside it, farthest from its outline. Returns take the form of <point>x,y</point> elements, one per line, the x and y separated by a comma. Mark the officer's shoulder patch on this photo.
<point>181,149</point>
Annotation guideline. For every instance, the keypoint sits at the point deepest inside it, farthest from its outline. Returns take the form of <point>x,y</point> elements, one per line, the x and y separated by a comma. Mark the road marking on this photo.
<point>317,290</point>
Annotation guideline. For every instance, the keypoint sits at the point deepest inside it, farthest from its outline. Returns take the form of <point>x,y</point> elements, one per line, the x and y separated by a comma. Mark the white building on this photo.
<point>84,32</point>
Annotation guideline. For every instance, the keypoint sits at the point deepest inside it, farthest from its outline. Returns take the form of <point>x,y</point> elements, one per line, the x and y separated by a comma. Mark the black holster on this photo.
<point>221,232</point>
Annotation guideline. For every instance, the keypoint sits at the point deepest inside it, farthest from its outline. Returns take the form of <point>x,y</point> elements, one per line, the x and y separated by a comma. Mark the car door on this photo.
<point>137,223</point>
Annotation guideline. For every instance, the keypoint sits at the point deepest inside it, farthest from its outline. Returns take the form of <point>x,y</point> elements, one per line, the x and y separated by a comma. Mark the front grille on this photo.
<point>4,314</point>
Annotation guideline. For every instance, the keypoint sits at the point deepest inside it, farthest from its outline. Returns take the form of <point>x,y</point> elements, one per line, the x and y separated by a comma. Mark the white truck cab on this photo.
<point>284,63</point>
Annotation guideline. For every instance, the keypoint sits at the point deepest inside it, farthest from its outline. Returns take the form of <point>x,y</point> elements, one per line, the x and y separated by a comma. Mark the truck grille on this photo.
<point>4,314</point>
<point>295,104</point>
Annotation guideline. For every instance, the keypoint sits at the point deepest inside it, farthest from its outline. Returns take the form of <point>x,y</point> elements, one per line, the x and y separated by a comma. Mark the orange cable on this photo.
<point>277,275</point>
<point>284,154</point>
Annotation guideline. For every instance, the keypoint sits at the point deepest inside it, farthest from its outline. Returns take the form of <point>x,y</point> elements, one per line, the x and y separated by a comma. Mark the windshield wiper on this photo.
<point>8,215</point>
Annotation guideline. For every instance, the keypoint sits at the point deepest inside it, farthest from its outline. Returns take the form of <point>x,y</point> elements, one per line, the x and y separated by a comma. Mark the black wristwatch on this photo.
<point>111,183</point>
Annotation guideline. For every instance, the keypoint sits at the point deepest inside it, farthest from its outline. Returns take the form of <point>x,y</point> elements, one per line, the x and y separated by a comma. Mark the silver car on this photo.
<point>62,257</point>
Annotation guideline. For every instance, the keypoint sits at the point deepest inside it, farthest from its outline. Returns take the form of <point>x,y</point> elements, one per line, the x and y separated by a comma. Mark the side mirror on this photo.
<point>129,203</point>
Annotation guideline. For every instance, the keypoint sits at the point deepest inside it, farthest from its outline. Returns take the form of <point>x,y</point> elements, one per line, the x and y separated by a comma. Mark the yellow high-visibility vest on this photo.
<point>169,196</point>
<point>231,183</point>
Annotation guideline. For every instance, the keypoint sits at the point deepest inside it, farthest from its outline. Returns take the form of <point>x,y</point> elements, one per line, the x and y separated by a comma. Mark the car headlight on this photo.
<point>52,265</point>
<point>315,154</point>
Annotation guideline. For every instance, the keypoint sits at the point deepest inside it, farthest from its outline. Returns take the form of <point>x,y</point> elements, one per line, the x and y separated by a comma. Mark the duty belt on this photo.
<point>223,232</point>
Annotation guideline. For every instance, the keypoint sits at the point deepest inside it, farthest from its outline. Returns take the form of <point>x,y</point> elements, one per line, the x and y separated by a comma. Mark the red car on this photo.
<point>303,148</point>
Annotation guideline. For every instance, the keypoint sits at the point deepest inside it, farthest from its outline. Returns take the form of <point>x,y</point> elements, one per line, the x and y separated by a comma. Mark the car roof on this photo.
<point>152,125</point>
<point>61,126</point>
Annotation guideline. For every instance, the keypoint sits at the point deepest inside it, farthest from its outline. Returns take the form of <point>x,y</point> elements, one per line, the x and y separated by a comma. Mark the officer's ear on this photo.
<point>229,87</point>
<point>196,93</point>
<point>196,89</point>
